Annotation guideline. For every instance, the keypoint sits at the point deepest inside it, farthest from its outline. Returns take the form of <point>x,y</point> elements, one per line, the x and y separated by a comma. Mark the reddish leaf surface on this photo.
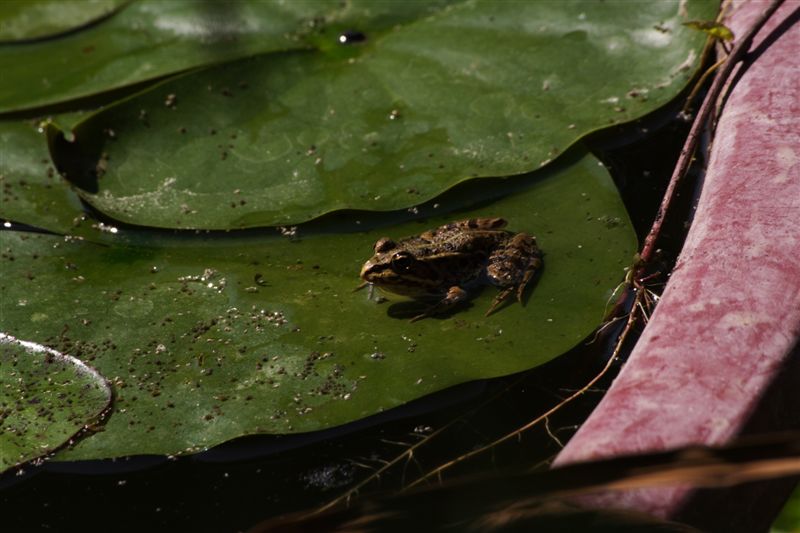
<point>712,363</point>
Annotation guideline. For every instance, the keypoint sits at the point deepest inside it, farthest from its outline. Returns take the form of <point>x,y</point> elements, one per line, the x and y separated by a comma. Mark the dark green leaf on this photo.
<point>209,338</point>
<point>153,38</point>
<point>479,89</point>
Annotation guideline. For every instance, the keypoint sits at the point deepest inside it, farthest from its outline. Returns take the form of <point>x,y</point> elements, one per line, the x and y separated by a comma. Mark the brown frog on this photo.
<point>443,263</point>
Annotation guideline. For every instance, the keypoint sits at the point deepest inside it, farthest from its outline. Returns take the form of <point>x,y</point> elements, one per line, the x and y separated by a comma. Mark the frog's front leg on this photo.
<point>512,267</point>
<point>454,295</point>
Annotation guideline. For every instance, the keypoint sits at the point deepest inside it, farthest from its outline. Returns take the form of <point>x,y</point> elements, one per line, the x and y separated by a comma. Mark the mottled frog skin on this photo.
<point>445,263</point>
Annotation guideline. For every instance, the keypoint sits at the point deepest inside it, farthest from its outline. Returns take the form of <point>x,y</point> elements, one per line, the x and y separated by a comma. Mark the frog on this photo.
<point>445,264</point>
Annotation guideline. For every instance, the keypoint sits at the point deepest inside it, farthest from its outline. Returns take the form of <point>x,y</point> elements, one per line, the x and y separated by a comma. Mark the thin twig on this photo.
<point>407,455</point>
<point>580,392</point>
<point>700,84</point>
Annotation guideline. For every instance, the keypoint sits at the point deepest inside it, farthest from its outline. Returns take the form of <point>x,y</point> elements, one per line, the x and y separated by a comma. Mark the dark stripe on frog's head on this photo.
<point>371,270</point>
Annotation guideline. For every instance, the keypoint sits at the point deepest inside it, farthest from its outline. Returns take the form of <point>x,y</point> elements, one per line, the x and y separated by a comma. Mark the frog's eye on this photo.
<point>402,261</point>
<point>384,244</point>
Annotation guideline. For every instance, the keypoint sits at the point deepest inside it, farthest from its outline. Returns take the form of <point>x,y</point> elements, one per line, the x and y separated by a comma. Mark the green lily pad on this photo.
<point>22,20</point>
<point>31,191</point>
<point>209,337</point>
<point>478,89</point>
<point>46,398</point>
<point>149,39</point>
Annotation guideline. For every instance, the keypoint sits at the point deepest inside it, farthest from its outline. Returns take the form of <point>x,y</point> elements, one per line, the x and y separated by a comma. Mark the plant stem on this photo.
<point>699,123</point>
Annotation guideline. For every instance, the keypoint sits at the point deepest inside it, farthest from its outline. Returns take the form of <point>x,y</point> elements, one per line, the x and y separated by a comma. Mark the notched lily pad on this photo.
<point>46,398</point>
<point>711,27</point>
<point>207,338</point>
<point>478,89</point>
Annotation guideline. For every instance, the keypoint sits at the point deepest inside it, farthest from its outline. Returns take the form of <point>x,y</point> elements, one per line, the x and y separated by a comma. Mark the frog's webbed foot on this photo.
<point>513,267</point>
<point>520,288</point>
<point>454,295</point>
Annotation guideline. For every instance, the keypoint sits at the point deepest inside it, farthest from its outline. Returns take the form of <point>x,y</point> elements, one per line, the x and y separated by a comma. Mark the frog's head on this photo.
<point>397,269</point>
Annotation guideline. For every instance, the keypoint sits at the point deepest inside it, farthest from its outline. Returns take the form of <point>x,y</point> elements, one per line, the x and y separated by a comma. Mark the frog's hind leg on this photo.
<point>512,267</point>
<point>504,294</point>
<point>454,295</point>
<point>533,266</point>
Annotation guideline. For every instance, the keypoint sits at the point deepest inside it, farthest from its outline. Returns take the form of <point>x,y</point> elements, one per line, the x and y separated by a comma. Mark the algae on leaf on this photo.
<point>46,398</point>
<point>478,89</point>
<point>207,338</point>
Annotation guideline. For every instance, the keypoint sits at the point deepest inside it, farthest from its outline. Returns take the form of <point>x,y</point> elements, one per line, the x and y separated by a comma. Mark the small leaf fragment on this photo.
<point>711,27</point>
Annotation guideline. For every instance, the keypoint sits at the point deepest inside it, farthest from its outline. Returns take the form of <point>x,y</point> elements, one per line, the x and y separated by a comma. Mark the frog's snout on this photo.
<point>365,271</point>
